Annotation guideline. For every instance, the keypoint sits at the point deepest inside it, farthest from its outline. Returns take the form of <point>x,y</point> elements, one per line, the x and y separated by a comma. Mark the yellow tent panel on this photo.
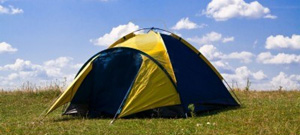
<point>69,93</point>
<point>151,89</point>
<point>152,44</point>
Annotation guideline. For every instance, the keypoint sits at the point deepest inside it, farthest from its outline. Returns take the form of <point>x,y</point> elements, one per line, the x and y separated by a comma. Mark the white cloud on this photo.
<point>286,81</point>
<point>218,58</point>
<point>77,66</point>
<point>20,65</point>
<point>241,74</point>
<point>259,75</point>
<point>245,57</point>
<point>15,10</point>
<point>115,34</point>
<point>270,16</point>
<point>228,39</point>
<point>24,70</point>
<point>53,67</point>
<point>185,23</point>
<point>12,76</point>
<point>222,10</point>
<point>281,58</point>
<point>223,66</point>
<point>206,39</point>
<point>5,47</point>
<point>59,62</point>
<point>4,10</point>
<point>210,38</point>
<point>10,10</point>
<point>212,53</point>
<point>280,41</point>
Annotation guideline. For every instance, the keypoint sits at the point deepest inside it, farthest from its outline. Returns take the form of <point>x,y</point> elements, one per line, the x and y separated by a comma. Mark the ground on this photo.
<point>276,112</point>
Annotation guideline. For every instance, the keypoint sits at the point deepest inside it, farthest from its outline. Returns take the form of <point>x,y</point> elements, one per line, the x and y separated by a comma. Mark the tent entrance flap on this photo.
<point>104,91</point>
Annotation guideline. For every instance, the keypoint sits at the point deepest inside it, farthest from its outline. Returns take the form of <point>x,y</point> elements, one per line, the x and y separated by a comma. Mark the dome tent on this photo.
<point>142,72</point>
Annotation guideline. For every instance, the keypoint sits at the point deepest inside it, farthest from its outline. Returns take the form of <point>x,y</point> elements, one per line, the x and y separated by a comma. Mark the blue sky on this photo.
<point>46,41</point>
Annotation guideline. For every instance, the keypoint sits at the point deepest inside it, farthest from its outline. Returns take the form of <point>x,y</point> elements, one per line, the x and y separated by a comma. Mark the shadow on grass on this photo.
<point>198,114</point>
<point>217,111</point>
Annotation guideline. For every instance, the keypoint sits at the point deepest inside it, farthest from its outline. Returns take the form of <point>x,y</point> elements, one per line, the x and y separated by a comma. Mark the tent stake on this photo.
<point>112,121</point>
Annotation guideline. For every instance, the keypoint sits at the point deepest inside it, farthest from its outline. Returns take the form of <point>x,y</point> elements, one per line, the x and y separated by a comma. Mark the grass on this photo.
<point>276,112</point>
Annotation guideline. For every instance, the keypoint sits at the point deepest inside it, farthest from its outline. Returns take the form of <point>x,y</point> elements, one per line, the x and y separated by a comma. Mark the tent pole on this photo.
<point>121,105</point>
<point>116,114</point>
<point>233,92</point>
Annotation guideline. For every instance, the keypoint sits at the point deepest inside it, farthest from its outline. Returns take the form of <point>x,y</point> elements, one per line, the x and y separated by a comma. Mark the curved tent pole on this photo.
<point>153,28</point>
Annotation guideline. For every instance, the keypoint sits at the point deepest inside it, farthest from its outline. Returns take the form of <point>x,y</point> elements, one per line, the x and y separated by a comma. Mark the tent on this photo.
<point>142,73</point>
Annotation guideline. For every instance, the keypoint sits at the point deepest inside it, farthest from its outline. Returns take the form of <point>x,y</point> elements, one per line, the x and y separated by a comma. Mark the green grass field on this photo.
<point>261,113</point>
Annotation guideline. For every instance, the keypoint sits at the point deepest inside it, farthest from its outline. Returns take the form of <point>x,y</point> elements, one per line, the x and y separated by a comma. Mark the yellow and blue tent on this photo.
<point>141,72</point>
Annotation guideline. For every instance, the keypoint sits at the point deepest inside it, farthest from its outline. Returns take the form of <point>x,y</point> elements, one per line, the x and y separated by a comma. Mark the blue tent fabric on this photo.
<point>107,84</point>
<point>197,83</point>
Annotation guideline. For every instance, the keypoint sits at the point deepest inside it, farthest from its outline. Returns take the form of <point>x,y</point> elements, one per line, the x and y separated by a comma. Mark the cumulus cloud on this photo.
<point>280,41</point>
<point>206,39</point>
<point>222,10</point>
<point>259,75</point>
<point>53,67</point>
<point>245,57</point>
<point>290,82</point>
<point>281,58</point>
<point>24,70</point>
<point>59,62</point>
<point>7,48</point>
<point>241,74</point>
<point>10,10</point>
<point>223,66</point>
<point>20,65</point>
<point>115,34</point>
<point>281,81</point>
<point>210,38</point>
<point>185,23</point>
<point>212,53</point>
<point>77,66</point>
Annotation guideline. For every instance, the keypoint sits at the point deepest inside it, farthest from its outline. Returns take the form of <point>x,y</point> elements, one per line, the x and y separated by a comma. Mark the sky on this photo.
<point>45,42</point>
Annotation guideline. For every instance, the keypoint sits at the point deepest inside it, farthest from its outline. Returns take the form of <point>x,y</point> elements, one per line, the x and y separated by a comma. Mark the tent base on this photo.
<point>175,111</point>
